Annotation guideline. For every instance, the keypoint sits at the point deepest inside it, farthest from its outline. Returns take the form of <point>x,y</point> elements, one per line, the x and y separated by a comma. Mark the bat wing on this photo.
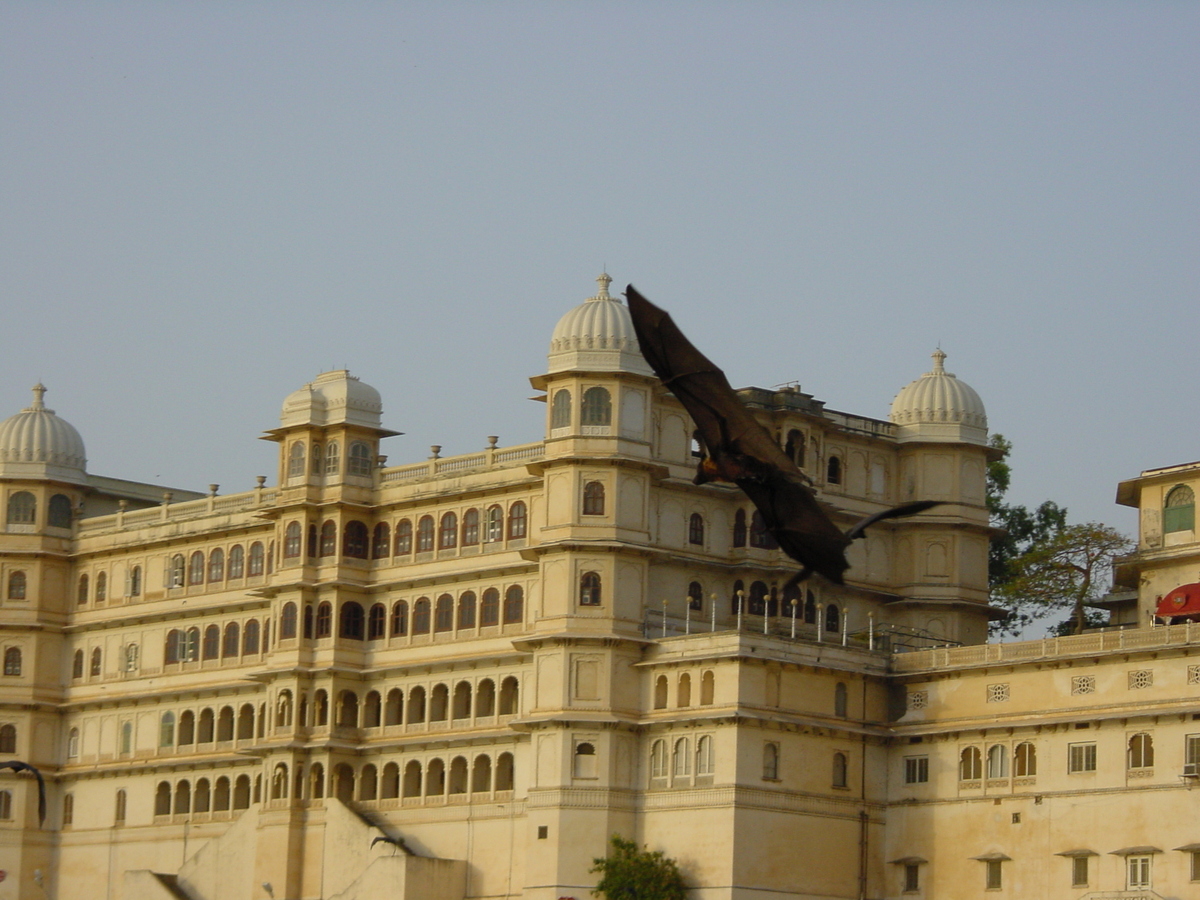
<point>725,425</point>
<point>799,523</point>
<point>896,512</point>
<point>17,766</point>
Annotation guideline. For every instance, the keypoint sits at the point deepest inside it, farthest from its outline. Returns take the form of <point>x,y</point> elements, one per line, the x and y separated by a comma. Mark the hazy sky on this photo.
<point>204,205</point>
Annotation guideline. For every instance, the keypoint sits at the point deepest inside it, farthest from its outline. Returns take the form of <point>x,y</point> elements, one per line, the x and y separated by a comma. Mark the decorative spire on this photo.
<point>39,390</point>
<point>602,286</point>
<point>939,358</point>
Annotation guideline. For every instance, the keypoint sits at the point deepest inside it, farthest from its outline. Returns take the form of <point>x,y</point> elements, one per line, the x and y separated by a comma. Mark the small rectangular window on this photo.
<point>1081,758</point>
<point>916,769</point>
<point>1079,871</point>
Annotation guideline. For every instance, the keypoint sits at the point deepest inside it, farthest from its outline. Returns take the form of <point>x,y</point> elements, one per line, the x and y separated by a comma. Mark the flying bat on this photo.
<point>17,766</point>
<point>738,449</point>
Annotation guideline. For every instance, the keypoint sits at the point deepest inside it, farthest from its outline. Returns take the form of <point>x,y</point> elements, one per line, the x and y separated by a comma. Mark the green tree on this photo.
<point>628,873</point>
<point>1066,570</point>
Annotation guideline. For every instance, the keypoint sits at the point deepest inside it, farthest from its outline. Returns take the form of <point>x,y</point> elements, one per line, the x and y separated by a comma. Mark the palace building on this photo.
<point>458,677</point>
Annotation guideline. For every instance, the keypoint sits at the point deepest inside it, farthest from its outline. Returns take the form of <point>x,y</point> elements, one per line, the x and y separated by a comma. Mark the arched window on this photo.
<point>695,596</point>
<point>794,447</point>
<point>377,623</point>
<point>328,538</point>
<point>8,739</point>
<point>516,520</point>
<point>593,499</point>
<point>658,759</point>
<point>833,471</point>
<point>461,706</point>
<point>489,609</point>
<point>68,809</point>
<point>514,605</point>
<point>203,796</point>
<point>759,535</point>
<point>12,661</point>
<point>481,774</point>
<point>95,669</point>
<point>229,646</point>
<point>16,585</point>
<point>73,744</point>
<point>307,630</point>
<point>416,705</point>
<point>1025,760</point>
<point>589,589</point>
<point>317,462</point>
<point>59,512</point>
<point>738,599</point>
<point>707,688</point>
<point>102,587</point>
<point>466,610</point>
<point>187,728</point>
<point>495,524</point>
<point>443,617</point>
<point>216,565</point>
<point>504,772</point>
<point>439,703</point>
<point>770,762</point>
<point>421,616</point>
<point>660,692</point>
<point>352,621</point>
<point>368,783</point>
<point>332,458</point>
<point>1179,510</point>
<point>313,544</point>
<point>970,764</point>
<point>296,461</point>
<point>166,730</point>
<point>221,794</point>
<point>381,544</point>
<point>135,581</point>
<point>810,609</point>
<point>412,779</point>
<point>22,508</point>
<point>485,698</point>
<point>585,760</point>
<point>162,799</point>
<point>324,619</point>
<point>175,576</point>
<point>360,459</point>
<point>560,409</point>
<point>425,534</point>
<point>393,710</point>
<point>131,657</point>
<point>237,561</point>
<point>190,644</point>
<point>704,755</point>
<point>758,599</point>
<point>196,568</point>
<point>997,761</point>
<point>354,544</point>
<point>470,528</point>
<point>287,621</point>
<point>291,541</point>
<point>1141,751</point>
<point>683,691</point>
<point>840,700</point>
<point>448,531</point>
<point>509,689</point>
<point>597,407</point>
<point>404,537</point>
<point>833,617</point>
<point>399,618</point>
<point>212,642</point>
<point>81,593</point>
<point>839,770</point>
<point>696,529</point>
<point>250,638</point>
<point>739,528</point>
<point>256,559</point>
<point>121,805</point>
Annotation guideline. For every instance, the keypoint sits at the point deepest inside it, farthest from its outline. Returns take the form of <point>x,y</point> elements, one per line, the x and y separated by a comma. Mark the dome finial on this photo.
<point>939,359</point>
<point>602,284</point>
<point>39,391</point>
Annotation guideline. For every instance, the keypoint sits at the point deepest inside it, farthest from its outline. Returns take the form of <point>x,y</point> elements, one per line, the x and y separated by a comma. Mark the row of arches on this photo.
<point>436,703</point>
<point>971,761</point>
<point>208,725</point>
<point>676,760</point>
<point>429,778</point>
<point>205,795</point>
<point>327,459</point>
<point>446,613</point>
<point>234,640</point>
<point>765,601</point>
<point>217,565</point>
<point>683,689</point>
<point>595,409</point>
<point>22,510</point>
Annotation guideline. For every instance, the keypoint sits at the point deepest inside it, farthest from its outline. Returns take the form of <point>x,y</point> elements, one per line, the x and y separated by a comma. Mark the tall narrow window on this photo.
<point>443,619</point>
<point>994,877</point>
<point>296,461</point>
<point>95,668</point>
<point>489,609</point>
<point>291,541</point>
<point>333,459</point>
<point>317,462</point>
<point>68,809</point>
<point>839,770</point>
<point>256,559</point>
<point>196,568</point>
<point>597,407</point>
<point>377,623</point>
<point>593,499</point>
<point>399,618</point>
<point>212,642</point>
<point>16,585</point>
<point>81,593</point>
<point>328,538</point>
<point>421,616</point>
<point>448,531</point>
<point>495,524</point>
<point>696,530</point>
<point>514,605</point>
<point>22,508</point>
<point>517,520</point>
<point>560,409</point>
<point>216,565</point>
<point>794,447</point>
<point>404,537</point>
<point>997,761</point>
<point>1179,510</point>
<point>354,541</point>
<point>833,471</point>
<point>102,587</point>
<point>12,661</point>
<point>1079,871</point>
<point>770,762</point>
<point>589,589</point>
<point>287,621</point>
<point>759,535</point>
<point>695,596</point>
<point>1139,872</point>
<point>360,459</point>
<point>425,534</point>
<point>8,739</point>
<point>135,580</point>
<point>381,544</point>
<point>739,528</point>
<point>59,512</point>
<point>470,528</point>
<point>466,610</point>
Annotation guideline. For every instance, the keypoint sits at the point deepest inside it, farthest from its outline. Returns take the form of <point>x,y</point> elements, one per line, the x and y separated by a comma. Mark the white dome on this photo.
<point>939,406</point>
<point>35,443</point>
<point>597,335</point>
<point>333,398</point>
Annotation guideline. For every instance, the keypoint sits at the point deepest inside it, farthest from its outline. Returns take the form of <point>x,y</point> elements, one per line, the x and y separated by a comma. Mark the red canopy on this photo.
<point>1183,601</point>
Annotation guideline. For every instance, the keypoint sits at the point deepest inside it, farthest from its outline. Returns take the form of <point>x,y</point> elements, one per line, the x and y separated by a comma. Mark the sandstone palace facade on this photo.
<point>496,661</point>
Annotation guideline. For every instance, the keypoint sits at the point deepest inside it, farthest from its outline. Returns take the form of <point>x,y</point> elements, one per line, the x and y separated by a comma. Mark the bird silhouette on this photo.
<point>394,841</point>
<point>738,449</point>
<point>17,766</point>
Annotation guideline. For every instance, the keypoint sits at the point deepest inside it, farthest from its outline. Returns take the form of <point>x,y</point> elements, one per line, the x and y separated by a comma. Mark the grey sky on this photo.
<point>205,205</point>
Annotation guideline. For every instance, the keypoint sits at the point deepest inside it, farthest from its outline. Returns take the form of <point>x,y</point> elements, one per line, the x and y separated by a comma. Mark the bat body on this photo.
<point>17,766</point>
<point>738,449</point>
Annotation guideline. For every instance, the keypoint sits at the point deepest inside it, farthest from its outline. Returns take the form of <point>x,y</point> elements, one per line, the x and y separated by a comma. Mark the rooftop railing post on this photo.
<point>687,615</point>
<point>712,602</point>
<point>739,615</point>
<point>793,618</point>
<point>871,630</point>
<point>664,621</point>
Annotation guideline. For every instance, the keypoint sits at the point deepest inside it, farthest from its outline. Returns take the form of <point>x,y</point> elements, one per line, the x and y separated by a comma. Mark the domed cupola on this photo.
<point>597,336</point>
<point>333,398</point>
<point>939,407</point>
<point>35,443</point>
